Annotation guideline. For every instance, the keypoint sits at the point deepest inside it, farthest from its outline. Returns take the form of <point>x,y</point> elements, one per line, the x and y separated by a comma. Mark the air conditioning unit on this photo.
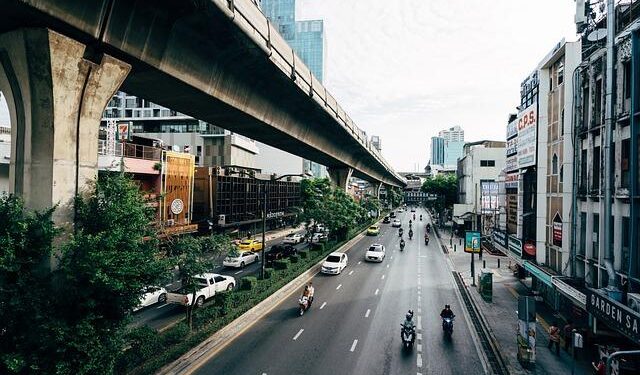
<point>171,222</point>
<point>633,301</point>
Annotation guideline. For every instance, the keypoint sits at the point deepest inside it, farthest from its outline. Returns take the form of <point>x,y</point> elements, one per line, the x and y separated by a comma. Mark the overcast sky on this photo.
<point>404,69</point>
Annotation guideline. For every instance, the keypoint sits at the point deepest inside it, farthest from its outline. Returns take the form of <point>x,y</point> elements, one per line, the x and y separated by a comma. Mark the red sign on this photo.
<point>530,249</point>
<point>557,233</point>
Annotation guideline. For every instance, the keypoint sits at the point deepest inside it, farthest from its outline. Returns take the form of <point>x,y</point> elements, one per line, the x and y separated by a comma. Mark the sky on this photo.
<point>405,69</point>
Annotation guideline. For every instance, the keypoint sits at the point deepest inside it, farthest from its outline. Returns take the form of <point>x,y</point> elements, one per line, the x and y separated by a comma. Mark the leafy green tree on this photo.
<point>394,196</point>
<point>370,204</point>
<point>445,187</point>
<point>195,256</point>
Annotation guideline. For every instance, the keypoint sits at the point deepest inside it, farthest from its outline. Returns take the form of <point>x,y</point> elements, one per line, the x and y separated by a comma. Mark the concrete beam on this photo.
<point>339,177</point>
<point>56,94</point>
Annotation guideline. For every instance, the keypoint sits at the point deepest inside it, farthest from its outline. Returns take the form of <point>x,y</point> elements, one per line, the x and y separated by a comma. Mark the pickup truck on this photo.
<point>209,285</point>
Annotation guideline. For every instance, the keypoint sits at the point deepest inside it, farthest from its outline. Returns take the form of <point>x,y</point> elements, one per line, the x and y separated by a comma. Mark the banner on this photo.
<point>527,136</point>
<point>472,242</point>
<point>511,180</point>
<point>614,314</point>
<point>511,164</point>
<point>512,129</point>
<point>512,146</point>
<point>489,196</point>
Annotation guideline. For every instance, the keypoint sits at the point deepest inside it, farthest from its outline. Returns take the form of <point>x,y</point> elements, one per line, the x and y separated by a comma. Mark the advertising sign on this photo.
<point>124,131</point>
<point>511,180</point>
<point>489,196</point>
<point>515,245</point>
<point>512,129</point>
<point>527,128</point>
<point>511,164</point>
<point>500,238</point>
<point>472,242</point>
<point>557,230</point>
<point>512,213</point>
<point>614,314</point>
<point>177,187</point>
<point>512,146</point>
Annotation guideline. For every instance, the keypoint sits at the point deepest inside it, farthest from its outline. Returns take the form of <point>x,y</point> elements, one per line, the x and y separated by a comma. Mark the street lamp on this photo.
<point>264,207</point>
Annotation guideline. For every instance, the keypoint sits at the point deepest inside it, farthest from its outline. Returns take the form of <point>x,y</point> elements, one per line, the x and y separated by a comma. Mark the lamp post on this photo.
<point>264,209</point>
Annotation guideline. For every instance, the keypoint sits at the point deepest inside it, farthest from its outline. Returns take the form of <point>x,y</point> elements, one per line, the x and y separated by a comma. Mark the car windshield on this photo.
<point>200,281</point>
<point>373,228</point>
<point>333,259</point>
<point>245,242</point>
<point>375,248</point>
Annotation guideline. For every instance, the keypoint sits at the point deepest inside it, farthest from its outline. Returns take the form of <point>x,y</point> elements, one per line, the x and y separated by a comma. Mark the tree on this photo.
<point>445,187</point>
<point>394,196</point>
<point>195,256</point>
<point>371,204</point>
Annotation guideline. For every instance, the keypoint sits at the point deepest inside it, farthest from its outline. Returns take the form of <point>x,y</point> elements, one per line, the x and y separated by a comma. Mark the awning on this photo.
<point>574,295</point>
<point>538,273</point>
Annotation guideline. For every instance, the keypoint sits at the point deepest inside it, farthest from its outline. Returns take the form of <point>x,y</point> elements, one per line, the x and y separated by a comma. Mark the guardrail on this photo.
<point>130,150</point>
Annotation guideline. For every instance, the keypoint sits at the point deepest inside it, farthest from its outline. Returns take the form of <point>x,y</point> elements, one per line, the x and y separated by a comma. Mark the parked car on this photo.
<point>376,253</point>
<point>209,284</point>
<point>238,259</point>
<point>397,223</point>
<point>392,214</point>
<point>386,220</point>
<point>335,263</point>
<point>373,230</point>
<point>250,245</point>
<point>294,238</point>
<point>319,237</point>
<point>280,251</point>
<point>318,228</point>
<point>413,209</point>
<point>153,295</point>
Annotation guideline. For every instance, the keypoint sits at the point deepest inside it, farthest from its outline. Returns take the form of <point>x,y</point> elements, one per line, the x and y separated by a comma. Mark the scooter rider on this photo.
<point>401,243</point>
<point>408,321</point>
<point>446,313</point>
<point>410,233</point>
<point>310,292</point>
<point>426,238</point>
<point>400,232</point>
<point>420,217</point>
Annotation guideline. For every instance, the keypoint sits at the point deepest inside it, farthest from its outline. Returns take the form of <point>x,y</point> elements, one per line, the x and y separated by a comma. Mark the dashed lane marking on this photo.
<point>382,278</point>
<point>163,306</point>
<point>339,286</point>
<point>353,346</point>
<point>387,266</point>
<point>359,262</point>
<point>323,305</point>
<point>298,334</point>
<point>366,315</point>
<point>419,325</point>
<point>239,272</point>
<point>376,293</point>
<point>350,272</point>
<point>419,360</point>
<point>419,348</point>
<point>419,336</point>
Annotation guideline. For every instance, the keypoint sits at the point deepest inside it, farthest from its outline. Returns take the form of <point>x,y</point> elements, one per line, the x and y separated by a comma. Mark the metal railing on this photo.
<point>130,150</point>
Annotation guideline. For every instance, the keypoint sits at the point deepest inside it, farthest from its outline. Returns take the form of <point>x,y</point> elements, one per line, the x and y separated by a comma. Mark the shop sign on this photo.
<point>472,242</point>
<point>272,215</point>
<point>512,129</point>
<point>512,146</point>
<point>124,131</point>
<point>515,245</point>
<point>557,230</point>
<point>512,213</point>
<point>614,314</point>
<point>500,237</point>
<point>511,180</point>
<point>527,134</point>
<point>511,164</point>
<point>530,249</point>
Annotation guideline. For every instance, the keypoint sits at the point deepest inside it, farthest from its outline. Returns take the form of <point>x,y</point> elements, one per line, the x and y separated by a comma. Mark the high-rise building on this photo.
<point>437,151</point>
<point>453,134</point>
<point>453,150</point>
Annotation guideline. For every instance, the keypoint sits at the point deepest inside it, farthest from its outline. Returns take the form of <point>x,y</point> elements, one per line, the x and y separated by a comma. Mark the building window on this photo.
<point>626,68</point>
<point>595,182</point>
<point>625,162</point>
<point>583,172</point>
<point>560,73</point>
<point>561,173</point>
<point>583,234</point>
<point>626,243</point>
<point>595,235</point>
<point>585,107</point>
<point>597,110</point>
<point>487,163</point>
<point>554,164</point>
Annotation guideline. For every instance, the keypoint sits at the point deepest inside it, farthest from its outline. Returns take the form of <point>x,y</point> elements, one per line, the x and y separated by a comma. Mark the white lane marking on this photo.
<point>366,315</point>
<point>323,305</point>
<point>387,266</point>
<point>339,286</point>
<point>419,323</point>
<point>419,348</point>
<point>359,262</point>
<point>392,256</point>
<point>419,360</point>
<point>298,334</point>
<point>419,310</point>
<point>419,336</point>
<point>382,278</point>
<point>353,346</point>
<point>377,290</point>
<point>351,272</point>
<point>163,306</point>
<point>418,299</point>
<point>239,272</point>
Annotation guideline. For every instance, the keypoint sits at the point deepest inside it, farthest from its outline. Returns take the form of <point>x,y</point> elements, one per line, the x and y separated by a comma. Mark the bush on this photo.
<point>281,264</point>
<point>304,254</point>
<point>145,342</point>
<point>176,333</point>
<point>248,282</point>
<point>317,246</point>
<point>268,272</point>
<point>295,258</point>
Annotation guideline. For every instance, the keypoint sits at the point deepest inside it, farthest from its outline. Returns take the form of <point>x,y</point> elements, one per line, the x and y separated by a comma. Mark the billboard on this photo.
<point>527,136</point>
<point>472,242</point>
<point>177,187</point>
<point>488,196</point>
<point>512,146</point>
<point>511,164</point>
<point>511,181</point>
<point>512,129</point>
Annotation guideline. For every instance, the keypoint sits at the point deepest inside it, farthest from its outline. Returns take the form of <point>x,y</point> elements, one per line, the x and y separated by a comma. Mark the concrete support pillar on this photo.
<point>56,92</point>
<point>340,176</point>
<point>377,186</point>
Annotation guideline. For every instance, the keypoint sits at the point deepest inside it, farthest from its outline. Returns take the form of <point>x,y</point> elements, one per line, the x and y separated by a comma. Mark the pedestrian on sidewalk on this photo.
<point>567,332</point>
<point>600,367</point>
<point>554,337</point>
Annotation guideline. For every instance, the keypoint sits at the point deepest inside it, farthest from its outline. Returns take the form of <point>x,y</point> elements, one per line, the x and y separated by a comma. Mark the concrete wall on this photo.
<point>472,173</point>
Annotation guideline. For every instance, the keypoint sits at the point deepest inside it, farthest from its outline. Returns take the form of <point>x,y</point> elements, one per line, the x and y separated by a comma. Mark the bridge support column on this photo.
<point>377,186</point>
<point>56,92</point>
<point>340,176</point>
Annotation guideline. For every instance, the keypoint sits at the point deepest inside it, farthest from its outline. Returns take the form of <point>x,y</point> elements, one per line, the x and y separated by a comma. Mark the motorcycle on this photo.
<point>400,232</point>
<point>428,228</point>
<point>303,304</point>
<point>410,234</point>
<point>401,245</point>
<point>426,241</point>
<point>408,335</point>
<point>447,325</point>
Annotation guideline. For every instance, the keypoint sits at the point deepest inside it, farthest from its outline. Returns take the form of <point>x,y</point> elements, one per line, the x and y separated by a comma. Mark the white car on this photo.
<point>153,295</point>
<point>397,223</point>
<point>319,237</point>
<point>208,285</point>
<point>376,253</point>
<point>335,263</point>
<point>239,260</point>
<point>293,238</point>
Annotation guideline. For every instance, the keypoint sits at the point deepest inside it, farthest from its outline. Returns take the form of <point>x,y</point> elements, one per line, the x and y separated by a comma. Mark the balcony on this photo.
<point>128,157</point>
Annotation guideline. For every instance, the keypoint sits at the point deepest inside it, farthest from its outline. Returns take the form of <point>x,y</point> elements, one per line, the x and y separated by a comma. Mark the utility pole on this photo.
<point>608,138</point>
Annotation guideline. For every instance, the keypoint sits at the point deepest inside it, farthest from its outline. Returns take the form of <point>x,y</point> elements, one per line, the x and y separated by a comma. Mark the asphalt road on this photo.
<point>159,316</point>
<point>353,326</point>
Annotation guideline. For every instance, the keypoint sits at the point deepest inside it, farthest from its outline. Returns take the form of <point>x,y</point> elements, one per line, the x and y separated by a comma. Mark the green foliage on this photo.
<point>445,187</point>
<point>304,254</point>
<point>248,282</point>
<point>281,264</point>
<point>295,258</point>
<point>268,271</point>
<point>394,196</point>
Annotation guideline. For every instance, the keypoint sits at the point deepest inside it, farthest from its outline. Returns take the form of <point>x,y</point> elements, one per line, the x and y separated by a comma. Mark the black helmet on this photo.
<point>409,315</point>
<point>447,306</point>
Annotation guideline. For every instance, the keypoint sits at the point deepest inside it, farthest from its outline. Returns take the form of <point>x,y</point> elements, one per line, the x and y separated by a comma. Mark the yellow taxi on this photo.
<point>250,245</point>
<point>373,230</point>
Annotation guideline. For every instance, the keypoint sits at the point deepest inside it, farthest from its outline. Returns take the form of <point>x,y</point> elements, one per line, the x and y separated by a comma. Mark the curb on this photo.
<point>196,357</point>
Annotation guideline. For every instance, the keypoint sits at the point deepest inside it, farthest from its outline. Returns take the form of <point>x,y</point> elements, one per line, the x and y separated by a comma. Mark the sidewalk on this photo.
<point>501,313</point>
